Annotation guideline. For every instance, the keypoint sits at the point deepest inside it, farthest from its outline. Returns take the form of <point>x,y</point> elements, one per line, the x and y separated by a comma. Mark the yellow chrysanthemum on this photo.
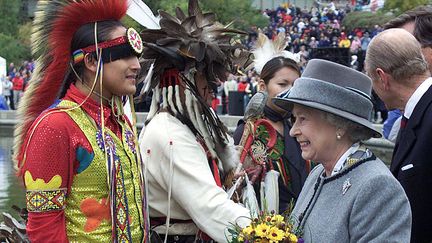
<point>275,234</point>
<point>248,230</point>
<point>262,230</point>
<point>277,219</point>
<point>268,219</point>
<point>292,238</point>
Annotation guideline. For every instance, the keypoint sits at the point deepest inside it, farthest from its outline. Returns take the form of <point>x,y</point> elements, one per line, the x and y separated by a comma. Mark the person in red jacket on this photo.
<point>18,86</point>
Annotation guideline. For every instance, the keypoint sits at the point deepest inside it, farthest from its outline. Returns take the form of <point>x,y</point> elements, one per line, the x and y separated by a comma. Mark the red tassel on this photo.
<point>216,174</point>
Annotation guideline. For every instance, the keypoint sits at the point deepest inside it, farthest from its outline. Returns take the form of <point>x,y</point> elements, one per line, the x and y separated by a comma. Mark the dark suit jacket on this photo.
<point>414,147</point>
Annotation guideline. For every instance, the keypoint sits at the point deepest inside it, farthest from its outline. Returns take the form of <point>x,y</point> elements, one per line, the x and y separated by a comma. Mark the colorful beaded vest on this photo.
<point>90,211</point>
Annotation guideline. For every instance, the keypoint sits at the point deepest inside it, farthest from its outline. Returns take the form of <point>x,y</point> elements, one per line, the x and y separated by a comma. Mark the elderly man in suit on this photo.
<point>418,22</point>
<point>401,78</point>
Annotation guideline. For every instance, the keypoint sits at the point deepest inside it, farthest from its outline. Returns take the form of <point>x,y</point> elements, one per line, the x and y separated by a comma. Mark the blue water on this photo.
<point>12,190</point>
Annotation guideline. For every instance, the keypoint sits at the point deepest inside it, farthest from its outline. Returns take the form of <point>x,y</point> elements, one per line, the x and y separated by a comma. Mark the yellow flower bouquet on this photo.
<point>267,227</point>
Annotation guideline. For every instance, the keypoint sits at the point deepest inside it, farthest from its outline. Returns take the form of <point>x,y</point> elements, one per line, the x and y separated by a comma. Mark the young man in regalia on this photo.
<point>76,150</point>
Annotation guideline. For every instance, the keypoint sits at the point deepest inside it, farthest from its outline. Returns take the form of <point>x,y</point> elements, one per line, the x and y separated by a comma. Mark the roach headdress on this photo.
<point>55,24</point>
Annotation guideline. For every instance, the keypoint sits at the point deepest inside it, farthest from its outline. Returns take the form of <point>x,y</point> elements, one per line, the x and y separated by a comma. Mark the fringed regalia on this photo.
<point>79,159</point>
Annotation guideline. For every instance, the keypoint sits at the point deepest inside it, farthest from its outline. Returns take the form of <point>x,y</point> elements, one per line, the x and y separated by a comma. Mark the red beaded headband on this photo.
<point>132,37</point>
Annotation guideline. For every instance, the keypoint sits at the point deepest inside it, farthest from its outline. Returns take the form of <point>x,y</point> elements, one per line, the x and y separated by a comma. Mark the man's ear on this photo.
<point>383,79</point>
<point>90,62</point>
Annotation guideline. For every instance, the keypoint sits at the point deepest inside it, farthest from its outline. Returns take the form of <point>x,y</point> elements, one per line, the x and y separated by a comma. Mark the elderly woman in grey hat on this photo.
<point>351,195</point>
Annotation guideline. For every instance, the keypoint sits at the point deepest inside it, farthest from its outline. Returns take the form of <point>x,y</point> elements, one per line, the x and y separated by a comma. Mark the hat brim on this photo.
<point>287,104</point>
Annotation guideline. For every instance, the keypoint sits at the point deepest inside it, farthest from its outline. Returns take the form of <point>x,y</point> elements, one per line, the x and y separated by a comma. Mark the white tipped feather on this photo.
<point>154,104</point>
<point>142,14</point>
<point>164,98</point>
<point>190,109</point>
<point>178,101</point>
<point>271,190</point>
<point>265,50</point>
<point>249,198</point>
<point>170,99</point>
<point>295,57</point>
<point>147,80</point>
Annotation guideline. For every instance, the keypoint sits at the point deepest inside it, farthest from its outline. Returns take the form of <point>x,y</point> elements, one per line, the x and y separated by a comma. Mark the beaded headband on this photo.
<point>117,48</point>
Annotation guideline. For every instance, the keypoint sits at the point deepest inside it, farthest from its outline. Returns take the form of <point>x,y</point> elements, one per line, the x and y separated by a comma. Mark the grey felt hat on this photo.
<point>333,88</point>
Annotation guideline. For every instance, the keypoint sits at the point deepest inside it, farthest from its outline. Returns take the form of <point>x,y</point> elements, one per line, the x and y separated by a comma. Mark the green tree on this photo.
<point>241,12</point>
<point>365,19</point>
<point>170,5</point>
<point>400,6</point>
<point>14,34</point>
<point>9,16</point>
<point>24,33</point>
<point>154,5</point>
<point>12,49</point>
<point>129,22</point>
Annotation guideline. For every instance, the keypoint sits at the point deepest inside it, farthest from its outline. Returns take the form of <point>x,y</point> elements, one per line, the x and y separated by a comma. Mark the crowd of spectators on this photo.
<point>319,27</point>
<point>15,83</point>
<point>309,30</point>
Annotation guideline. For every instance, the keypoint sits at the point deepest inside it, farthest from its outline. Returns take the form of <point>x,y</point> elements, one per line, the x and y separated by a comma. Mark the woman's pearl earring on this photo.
<point>338,136</point>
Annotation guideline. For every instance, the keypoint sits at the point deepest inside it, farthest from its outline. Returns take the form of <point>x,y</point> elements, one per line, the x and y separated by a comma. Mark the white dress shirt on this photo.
<point>416,96</point>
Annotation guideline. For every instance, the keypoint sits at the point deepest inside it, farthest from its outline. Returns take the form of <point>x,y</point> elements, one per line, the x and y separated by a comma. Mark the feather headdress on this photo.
<point>56,21</point>
<point>193,41</point>
<point>265,50</point>
<point>184,46</point>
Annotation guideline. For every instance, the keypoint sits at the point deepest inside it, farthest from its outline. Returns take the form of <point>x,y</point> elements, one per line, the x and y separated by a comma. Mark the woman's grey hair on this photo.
<point>356,132</point>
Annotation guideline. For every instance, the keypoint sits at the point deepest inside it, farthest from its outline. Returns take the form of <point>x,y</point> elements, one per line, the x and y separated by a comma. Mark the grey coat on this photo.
<point>7,87</point>
<point>362,203</point>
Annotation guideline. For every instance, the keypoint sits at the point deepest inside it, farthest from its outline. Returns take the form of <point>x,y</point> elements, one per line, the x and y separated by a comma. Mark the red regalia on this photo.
<point>79,159</point>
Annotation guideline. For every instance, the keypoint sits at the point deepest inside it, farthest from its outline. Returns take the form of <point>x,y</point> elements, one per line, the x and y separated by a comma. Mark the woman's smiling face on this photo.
<point>316,136</point>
